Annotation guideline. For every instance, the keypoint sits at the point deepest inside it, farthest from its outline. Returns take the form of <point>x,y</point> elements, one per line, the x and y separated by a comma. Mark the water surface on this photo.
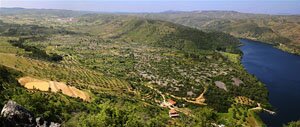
<point>280,71</point>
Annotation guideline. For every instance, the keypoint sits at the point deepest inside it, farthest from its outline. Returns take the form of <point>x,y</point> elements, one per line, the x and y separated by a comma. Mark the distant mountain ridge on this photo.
<point>281,30</point>
<point>40,12</point>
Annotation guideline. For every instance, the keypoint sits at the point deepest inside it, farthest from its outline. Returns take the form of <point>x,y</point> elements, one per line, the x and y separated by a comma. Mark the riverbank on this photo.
<point>286,48</point>
<point>280,46</point>
<point>253,119</point>
<point>279,71</point>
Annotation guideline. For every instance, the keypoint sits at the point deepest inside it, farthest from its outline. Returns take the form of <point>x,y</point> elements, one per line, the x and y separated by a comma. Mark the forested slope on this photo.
<point>158,33</point>
<point>281,30</point>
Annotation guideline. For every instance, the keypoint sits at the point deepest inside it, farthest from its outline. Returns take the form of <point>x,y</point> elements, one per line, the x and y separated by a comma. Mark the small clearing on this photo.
<point>237,81</point>
<point>221,85</point>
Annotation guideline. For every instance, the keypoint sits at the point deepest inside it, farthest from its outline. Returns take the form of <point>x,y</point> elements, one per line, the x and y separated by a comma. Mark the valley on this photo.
<point>127,66</point>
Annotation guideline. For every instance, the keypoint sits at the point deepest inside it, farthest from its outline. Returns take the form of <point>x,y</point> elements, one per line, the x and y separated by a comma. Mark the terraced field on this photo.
<point>69,70</point>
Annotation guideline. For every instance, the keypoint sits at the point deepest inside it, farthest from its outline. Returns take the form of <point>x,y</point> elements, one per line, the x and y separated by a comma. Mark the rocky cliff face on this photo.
<point>14,115</point>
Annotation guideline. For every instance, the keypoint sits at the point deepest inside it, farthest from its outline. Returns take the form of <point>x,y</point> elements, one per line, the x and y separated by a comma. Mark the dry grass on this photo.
<point>42,86</point>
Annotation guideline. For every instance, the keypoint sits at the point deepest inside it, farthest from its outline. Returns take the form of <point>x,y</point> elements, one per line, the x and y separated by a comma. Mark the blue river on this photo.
<point>280,72</point>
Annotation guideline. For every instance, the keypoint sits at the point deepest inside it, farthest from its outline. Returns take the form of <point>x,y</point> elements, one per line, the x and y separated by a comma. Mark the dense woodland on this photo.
<point>35,52</point>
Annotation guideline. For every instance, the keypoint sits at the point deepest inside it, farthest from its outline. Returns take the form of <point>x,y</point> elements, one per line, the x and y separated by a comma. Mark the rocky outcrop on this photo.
<point>42,123</point>
<point>14,115</point>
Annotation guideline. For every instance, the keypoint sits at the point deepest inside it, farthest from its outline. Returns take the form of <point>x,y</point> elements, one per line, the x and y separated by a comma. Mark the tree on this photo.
<point>293,124</point>
<point>204,116</point>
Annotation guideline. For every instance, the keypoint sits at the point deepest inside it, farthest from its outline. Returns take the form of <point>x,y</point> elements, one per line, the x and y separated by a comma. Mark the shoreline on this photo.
<point>258,51</point>
<point>280,46</point>
<point>254,114</point>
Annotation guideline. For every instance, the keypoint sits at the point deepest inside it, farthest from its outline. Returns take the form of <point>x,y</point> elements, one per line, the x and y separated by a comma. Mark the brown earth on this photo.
<point>53,86</point>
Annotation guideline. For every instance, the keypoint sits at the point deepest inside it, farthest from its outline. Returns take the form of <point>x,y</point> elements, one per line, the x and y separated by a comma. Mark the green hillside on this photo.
<point>158,33</point>
<point>281,30</point>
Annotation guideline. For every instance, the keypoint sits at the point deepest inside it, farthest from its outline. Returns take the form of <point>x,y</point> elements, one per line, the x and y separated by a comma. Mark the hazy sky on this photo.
<point>253,6</point>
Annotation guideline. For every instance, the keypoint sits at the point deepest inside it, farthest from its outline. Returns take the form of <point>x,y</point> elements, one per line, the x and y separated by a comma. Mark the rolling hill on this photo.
<point>280,30</point>
<point>154,32</point>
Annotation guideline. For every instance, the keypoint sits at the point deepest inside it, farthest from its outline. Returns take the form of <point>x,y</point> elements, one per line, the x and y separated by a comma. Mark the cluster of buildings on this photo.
<point>171,105</point>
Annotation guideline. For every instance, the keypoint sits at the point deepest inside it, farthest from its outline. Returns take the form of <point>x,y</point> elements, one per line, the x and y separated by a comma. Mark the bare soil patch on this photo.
<point>53,86</point>
<point>221,85</point>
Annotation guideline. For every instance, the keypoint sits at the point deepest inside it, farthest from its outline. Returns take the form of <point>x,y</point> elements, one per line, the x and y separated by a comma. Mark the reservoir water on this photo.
<point>280,71</point>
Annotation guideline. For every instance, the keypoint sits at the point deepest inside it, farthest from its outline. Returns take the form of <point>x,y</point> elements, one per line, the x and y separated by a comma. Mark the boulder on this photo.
<point>42,123</point>
<point>14,115</point>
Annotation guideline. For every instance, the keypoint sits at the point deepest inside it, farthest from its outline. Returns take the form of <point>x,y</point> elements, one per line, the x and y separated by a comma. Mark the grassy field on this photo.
<point>235,58</point>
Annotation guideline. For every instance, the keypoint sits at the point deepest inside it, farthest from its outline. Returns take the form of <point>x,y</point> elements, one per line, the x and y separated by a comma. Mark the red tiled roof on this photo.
<point>171,102</point>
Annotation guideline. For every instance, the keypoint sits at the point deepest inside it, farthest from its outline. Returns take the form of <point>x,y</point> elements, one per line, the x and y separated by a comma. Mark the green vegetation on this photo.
<point>170,35</point>
<point>293,124</point>
<point>154,32</point>
<point>274,29</point>
<point>35,52</point>
<point>128,65</point>
<point>235,58</point>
